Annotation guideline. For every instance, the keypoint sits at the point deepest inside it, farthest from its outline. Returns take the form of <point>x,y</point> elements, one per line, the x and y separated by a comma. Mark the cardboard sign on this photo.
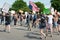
<point>5,7</point>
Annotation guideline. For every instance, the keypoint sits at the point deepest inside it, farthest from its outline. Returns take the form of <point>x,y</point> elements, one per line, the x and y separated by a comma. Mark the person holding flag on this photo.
<point>33,6</point>
<point>42,23</point>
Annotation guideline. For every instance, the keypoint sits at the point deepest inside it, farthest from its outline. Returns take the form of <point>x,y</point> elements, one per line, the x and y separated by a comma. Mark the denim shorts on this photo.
<point>55,24</point>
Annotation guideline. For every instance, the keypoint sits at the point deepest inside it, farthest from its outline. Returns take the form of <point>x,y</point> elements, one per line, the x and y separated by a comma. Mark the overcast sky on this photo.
<point>45,2</point>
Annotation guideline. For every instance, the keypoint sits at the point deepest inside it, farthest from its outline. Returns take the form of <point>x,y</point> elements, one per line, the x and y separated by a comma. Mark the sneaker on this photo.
<point>40,37</point>
<point>45,37</point>
<point>50,35</point>
<point>4,30</point>
<point>57,33</point>
<point>29,29</point>
<point>8,32</point>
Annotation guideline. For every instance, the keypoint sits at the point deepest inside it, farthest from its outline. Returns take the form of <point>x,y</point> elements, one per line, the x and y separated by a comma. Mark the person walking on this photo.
<point>34,20</point>
<point>55,23</point>
<point>42,24</point>
<point>50,25</point>
<point>58,22</point>
<point>7,23</point>
<point>15,16</point>
<point>30,22</point>
<point>24,19</point>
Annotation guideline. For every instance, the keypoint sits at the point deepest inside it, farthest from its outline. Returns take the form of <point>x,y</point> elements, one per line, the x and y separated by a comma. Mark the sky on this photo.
<point>45,2</point>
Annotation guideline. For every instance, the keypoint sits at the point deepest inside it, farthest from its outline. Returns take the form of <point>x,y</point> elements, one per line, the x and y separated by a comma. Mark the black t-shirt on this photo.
<point>7,18</point>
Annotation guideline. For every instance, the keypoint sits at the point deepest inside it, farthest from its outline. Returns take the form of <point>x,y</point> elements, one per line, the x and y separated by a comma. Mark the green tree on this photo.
<point>55,4</point>
<point>40,5</point>
<point>19,4</point>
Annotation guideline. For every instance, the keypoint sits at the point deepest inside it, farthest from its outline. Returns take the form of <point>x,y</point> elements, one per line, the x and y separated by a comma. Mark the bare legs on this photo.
<point>7,27</point>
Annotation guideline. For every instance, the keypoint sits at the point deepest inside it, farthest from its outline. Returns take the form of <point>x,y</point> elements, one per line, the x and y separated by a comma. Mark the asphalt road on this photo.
<point>21,33</point>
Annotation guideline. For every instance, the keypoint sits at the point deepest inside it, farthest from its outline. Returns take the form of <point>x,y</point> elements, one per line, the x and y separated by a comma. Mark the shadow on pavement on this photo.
<point>1,30</point>
<point>32,37</point>
<point>35,33</point>
<point>21,29</point>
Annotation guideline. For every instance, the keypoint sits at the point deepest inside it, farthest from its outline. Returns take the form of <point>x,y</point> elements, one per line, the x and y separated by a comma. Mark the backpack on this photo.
<point>43,19</point>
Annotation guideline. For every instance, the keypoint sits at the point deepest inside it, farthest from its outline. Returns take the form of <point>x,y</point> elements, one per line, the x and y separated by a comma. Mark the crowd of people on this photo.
<point>33,20</point>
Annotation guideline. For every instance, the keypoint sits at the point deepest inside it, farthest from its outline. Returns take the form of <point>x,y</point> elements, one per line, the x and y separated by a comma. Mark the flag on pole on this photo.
<point>33,6</point>
<point>46,11</point>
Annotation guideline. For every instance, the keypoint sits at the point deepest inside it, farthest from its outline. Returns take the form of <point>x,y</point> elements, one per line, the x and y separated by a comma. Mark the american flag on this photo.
<point>33,6</point>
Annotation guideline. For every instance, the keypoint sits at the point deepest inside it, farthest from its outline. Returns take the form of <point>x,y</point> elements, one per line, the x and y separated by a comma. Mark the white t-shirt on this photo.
<point>26,13</point>
<point>32,15</point>
<point>50,19</point>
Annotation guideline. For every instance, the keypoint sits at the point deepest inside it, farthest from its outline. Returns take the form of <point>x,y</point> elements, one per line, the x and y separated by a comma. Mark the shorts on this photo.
<point>42,26</point>
<point>7,23</point>
<point>55,24</point>
<point>49,25</point>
